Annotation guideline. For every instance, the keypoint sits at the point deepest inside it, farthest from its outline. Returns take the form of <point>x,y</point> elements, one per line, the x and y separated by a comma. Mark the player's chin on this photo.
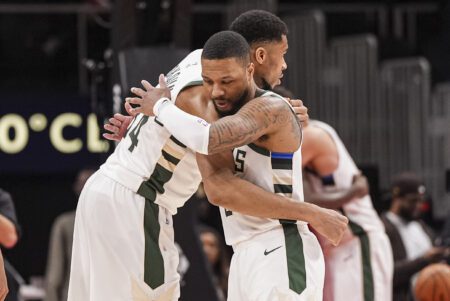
<point>275,83</point>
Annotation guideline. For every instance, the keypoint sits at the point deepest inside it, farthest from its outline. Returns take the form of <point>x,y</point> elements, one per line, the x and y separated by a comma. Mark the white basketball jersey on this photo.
<point>149,153</point>
<point>359,211</point>
<point>280,173</point>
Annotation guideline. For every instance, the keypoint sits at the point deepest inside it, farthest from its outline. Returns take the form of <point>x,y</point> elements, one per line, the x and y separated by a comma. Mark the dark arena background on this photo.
<point>377,71</point>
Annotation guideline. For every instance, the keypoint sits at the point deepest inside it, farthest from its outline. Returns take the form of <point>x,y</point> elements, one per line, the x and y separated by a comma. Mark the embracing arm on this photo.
<point>225,189</point>
<point>336,198</point>
<point>235,194</point>
<point>260,116</point>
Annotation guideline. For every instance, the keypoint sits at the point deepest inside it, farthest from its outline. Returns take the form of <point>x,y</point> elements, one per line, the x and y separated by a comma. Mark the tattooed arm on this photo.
<point>235,194</point>
<point>260,117</point>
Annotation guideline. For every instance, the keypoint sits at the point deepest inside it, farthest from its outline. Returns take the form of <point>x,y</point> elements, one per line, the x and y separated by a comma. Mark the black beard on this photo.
<point>265,85</point>
<point>236,105</point>
<point>406,215</point>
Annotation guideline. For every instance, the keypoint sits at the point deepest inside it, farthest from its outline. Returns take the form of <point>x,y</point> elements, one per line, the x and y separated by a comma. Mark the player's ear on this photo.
<point>260,55</point>
<point>250,70</point>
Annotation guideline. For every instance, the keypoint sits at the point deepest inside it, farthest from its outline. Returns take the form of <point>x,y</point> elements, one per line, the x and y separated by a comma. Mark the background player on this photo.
<point>365,255</point>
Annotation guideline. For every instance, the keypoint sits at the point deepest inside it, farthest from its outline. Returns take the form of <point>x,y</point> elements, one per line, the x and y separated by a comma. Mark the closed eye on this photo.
<point>207,81</point>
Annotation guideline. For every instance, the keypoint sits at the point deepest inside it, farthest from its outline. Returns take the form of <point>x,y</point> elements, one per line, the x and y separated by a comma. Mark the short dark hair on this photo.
<point>226,44</point>
<point>259,26</point>
<point>407,183</point>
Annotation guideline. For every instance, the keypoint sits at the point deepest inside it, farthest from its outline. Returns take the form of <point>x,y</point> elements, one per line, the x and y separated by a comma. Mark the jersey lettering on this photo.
<point>133,133</point>
<point>239,161</point>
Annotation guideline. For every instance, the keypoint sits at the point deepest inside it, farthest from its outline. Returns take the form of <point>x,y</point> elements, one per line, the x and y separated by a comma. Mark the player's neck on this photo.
<point>261,83</point>
<point>251,91</point>
<point>258,81</point>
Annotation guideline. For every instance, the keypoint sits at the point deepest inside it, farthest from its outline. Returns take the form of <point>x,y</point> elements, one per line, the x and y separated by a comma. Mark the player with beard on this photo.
<point>274,259</point>
<point>151,174</point>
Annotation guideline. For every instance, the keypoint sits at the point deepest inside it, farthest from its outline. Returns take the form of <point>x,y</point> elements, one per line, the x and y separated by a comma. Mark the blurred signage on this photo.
<point>49,134</point>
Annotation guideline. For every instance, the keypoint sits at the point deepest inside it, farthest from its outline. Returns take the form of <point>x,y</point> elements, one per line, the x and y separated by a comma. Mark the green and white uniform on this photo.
<point>362,263</point>
<point>124,242</point>
<point>274,259</point>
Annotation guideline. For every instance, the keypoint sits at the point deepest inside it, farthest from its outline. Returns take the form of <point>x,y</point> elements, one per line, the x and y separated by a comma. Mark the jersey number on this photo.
<point>134,132</point>
<point>239,160</point>
<point>238,166</point>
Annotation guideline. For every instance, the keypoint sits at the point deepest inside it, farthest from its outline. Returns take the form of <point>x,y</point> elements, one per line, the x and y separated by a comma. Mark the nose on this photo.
<point>217,92</point>
<point>284,66</point>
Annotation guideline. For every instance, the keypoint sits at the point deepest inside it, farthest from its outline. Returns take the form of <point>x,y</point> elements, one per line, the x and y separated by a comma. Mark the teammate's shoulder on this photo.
<point>271,94</point>
<point>323,127</point>
<point>316,137</point>
<point>313,130</point>
<point>192,59</point>
<point>276,101</point>
<point>270,101</point>
<point>197,52</point>
<point>195,55</point>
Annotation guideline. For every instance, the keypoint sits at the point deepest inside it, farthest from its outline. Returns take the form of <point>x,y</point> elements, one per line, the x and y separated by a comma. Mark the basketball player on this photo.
<point>151,174</point>
<point>363,260</point>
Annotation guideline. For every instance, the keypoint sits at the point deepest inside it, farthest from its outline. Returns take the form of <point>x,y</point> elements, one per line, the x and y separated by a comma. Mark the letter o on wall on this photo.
<point>21,134</point>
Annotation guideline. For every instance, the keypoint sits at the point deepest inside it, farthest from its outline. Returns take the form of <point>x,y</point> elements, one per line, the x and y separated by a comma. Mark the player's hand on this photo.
<point>331,225</point>
<point>300,110</point>
<point>360,186</point>
<point>437,254</point>
<point>117,127</point>
<point>129,109</point>
<point>3,282</point>
<point>147,98</point>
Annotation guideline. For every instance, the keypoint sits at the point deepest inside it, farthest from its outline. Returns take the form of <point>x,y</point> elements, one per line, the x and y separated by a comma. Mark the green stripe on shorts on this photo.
<point>153,260</point>
<point>358,231</point>
<point>295,257</point>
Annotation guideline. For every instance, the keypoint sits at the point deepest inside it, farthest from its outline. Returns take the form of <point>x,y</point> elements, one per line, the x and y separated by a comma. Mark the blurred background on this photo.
<point>377,71</point>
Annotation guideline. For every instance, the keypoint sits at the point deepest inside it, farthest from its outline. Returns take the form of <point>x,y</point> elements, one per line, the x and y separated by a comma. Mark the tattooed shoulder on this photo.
<point>260,116</point>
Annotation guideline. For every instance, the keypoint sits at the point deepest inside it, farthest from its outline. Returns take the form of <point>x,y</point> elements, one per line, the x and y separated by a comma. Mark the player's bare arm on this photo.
<point>336,198</point>
<point>319,151</point>
<point>230,192</point>
<point>260,117</point>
